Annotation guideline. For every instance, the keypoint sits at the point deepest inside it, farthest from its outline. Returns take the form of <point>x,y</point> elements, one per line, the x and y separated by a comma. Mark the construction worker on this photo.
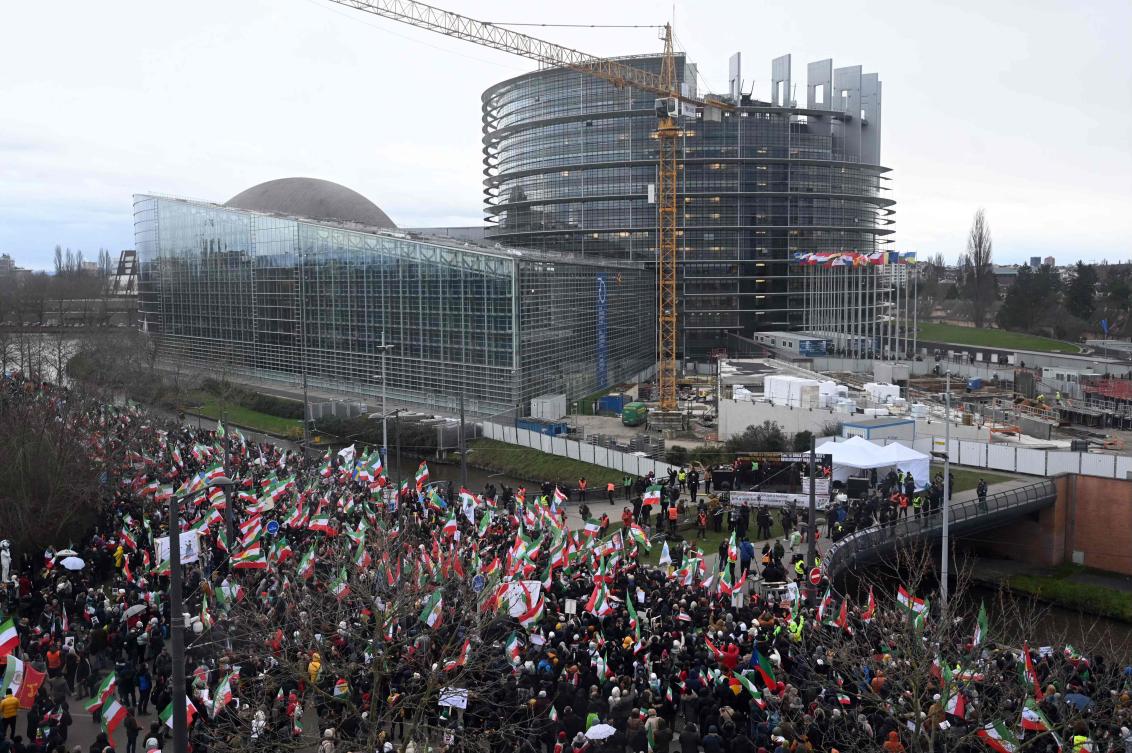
<point>582,484</point>
<point>610,489</point>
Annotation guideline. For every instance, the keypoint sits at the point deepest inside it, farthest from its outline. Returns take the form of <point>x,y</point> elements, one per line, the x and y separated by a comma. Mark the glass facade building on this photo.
<point>571,161</point>
<point>279,299</point>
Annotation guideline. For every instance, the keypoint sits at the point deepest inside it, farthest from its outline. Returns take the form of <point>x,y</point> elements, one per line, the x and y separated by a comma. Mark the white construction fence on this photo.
<point>569,448</point>
<point>1014,459</point>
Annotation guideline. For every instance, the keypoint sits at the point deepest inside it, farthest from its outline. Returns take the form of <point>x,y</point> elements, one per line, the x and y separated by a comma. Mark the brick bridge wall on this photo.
<point>1091,524</point>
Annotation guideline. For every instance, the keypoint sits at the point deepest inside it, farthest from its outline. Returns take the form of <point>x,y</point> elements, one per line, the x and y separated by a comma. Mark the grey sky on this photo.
<point>1024,108</point>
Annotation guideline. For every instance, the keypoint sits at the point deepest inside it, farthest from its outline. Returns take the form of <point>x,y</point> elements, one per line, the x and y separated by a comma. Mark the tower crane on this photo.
<point>670,105</point>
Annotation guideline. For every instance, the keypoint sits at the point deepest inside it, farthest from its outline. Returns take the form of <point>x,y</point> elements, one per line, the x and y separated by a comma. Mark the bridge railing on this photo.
<point>844,553</point>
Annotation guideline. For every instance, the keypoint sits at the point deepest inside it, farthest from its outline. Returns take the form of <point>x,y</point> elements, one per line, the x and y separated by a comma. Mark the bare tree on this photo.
<point>366,610</point>
<point>979,275</point>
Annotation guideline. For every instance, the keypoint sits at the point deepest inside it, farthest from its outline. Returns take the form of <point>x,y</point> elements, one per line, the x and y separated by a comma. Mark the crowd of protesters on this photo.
<point>610,654</point>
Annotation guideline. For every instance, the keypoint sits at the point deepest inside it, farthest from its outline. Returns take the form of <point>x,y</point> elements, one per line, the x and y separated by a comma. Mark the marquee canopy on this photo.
<point>856,454</point>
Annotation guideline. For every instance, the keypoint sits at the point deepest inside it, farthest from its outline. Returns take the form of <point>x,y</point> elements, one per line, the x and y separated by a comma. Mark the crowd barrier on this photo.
<point>1014,459</point>
<point>625,462</point>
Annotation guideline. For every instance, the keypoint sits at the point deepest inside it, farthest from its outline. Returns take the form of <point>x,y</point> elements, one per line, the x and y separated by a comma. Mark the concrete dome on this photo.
<point>313,199</point>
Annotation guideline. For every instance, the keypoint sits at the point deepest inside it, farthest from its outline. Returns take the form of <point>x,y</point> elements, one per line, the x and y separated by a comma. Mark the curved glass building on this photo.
<point>570,165</point>
<point>303,282</point>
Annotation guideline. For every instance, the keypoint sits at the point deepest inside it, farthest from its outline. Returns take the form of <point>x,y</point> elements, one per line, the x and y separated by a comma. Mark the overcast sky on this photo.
<point>1023,107</point>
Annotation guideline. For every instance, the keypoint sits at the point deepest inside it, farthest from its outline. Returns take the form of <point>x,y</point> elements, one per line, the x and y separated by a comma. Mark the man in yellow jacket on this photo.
<point>9,709</point>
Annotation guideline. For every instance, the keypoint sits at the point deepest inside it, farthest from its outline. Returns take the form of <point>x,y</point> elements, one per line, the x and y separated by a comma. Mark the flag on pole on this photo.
<point>763,666</point>
<point>599,603</point>
<point>910,602</point>
<point>871,609</point>
<point>1033,719</point>
<point>190,714</point>
<point>1029,675</point>
<point>103,694</point>
<point>651,496</point>
<point>432,614</point>
<point>980,626</point>
<point>112,715</point>
<point>665,555</point>
<point>999,737</point>
<point>9,638</point>
<point>461,660</point>
<point>422,475</point>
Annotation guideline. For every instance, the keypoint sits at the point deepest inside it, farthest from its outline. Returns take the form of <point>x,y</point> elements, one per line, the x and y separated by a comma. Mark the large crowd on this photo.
<point>345,612</point>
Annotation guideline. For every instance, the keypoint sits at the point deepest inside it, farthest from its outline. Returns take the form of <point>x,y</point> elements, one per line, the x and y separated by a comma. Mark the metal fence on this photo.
<point>1014,459</point>
<point>625,462</point>
<point>964,517</point>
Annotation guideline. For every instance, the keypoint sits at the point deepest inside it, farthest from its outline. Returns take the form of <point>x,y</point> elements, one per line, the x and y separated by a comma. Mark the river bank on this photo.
<point>1070,587</point>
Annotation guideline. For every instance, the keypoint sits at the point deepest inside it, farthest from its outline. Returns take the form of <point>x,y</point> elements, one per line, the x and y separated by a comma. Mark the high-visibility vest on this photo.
<point>610,486</point>
<point>800,567</point>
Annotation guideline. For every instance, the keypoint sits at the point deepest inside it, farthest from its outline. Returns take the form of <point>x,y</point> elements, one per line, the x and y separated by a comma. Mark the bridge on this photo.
<point>1005,502</point>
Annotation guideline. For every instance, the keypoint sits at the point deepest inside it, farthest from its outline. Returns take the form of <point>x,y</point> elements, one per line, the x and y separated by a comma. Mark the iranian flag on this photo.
<point>450,525</point>
<point>340,586</point>
<point>956,704</point>
<point>112,715</point>
<point>422,475</point>
<point>980,626</point>
<point>432,612</point>
<point>190,714</point>
<point>1029,675</point>
<point>634,621</point>
<point>223,695</point>
<point>362,558</point>
<point>104,693</point>
<point>250,559</point>
<point>592,527</point>
<point>727,586</point>
<point>1032,717</point>
<point>306,564</point>
<point>465,651</point>
<point>559,496</point>
<point>910,602</point>
<point>321,522</point>
<point>513,648</point>
<point>999,737</point>
<point>485,523</point>
<point>871,609</point>
<point>732,549</point>
<point>14,676</point>
<point>652,496</point>
<point>9,638</point>
<point>599,604</point>
<point>281,551</point>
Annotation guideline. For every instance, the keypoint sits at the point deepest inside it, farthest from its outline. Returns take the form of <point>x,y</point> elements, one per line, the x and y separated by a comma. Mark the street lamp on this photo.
<point>397,438</point>
<point>384,428</point>
<point>176,616</point>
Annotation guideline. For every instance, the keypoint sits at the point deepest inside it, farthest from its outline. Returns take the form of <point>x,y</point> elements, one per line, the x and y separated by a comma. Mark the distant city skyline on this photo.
<point>1030,120</point>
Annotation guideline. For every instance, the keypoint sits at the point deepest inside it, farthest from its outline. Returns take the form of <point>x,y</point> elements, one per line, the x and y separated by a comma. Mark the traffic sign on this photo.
<point>273,527</point>
<point>478,582</point>
<point>815,576</point>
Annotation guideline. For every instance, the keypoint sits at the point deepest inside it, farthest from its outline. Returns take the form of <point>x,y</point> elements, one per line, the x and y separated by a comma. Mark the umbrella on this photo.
<point>136,609</point>
<point>1082,702</point>
<point>600,731</point>
<point>66,553</point>
<point>73,563</point>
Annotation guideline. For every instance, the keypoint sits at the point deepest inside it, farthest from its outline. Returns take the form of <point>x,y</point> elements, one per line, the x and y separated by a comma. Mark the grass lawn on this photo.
<point>1061,589</point>
<point>250,419</point>
<point>709,544</point>
<point>992,338</point>
<point>967,479</point>
<point>525,463</point>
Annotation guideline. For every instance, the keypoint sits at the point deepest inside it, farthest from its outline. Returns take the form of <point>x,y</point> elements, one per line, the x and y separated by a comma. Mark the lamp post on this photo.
<point>384,413</point>
<point>946,493</point>
<point>395,413</point>
<point>176,616</point>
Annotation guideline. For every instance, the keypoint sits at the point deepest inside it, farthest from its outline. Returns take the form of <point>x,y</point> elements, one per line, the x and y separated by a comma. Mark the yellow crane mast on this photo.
<point>668,108</point>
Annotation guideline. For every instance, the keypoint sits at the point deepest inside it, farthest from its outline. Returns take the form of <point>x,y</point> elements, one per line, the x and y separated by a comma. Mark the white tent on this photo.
<point>856,454</point>
<point>910,461</point>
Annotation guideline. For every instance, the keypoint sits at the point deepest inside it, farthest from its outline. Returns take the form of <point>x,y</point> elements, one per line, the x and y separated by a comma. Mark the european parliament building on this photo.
<point>571,162</point>
<point>301,279</point>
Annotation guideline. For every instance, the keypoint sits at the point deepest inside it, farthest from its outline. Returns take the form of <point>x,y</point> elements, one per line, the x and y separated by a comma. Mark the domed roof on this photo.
<point>313,199</point>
